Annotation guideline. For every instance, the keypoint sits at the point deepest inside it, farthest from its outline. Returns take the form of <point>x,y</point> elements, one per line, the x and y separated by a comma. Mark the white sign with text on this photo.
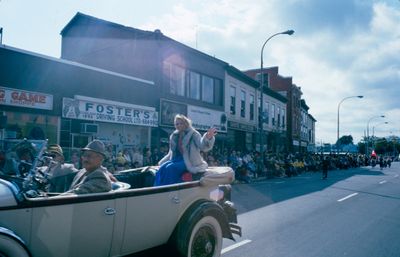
<point>112,112</point>
<point>203,118</point>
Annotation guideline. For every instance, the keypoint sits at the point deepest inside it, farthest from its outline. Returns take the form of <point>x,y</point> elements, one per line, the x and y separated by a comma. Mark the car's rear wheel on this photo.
<point>203,238</point>
<point>11,248</point>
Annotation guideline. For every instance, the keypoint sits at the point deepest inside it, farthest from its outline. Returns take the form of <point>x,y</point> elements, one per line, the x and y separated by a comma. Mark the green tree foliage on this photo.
<point>345,140</point>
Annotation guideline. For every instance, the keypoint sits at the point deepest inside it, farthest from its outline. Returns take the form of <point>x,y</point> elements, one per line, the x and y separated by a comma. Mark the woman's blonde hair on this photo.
<point>184,119</point>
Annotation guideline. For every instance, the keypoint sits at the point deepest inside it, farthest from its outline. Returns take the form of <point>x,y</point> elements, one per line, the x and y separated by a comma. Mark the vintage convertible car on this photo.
<point>190,217</point>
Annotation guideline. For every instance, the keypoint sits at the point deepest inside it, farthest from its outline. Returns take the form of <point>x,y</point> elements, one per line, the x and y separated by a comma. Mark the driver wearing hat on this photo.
<point>93,178</point>
<point>61,174</point>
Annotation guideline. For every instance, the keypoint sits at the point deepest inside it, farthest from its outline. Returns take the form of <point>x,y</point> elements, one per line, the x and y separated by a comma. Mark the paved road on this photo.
<point>354,213</point>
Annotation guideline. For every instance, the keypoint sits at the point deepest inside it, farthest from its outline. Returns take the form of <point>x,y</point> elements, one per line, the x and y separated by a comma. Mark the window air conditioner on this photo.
<point>89,128</point>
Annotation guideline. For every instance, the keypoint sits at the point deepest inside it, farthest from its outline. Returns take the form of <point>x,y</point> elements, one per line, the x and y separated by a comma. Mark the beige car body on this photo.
<point>115,223</point>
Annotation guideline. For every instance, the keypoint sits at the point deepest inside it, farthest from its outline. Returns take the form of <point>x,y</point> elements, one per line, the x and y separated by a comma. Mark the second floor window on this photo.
<point>233,100</point>
<point>251,107</point>
<point>194,85</point>
<point>266,112</point>
<point>242,104</point>
<point>278,111</point>
<point>208,89</point>
<point>273,114</point>
<point>177,82</point>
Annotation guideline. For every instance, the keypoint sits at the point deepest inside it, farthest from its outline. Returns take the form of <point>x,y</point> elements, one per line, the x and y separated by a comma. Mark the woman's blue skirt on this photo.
<point>170,172</point>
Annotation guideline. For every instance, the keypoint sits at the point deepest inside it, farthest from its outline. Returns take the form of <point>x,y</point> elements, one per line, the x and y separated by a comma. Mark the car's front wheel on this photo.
<point>206,238</point>
<point>202,238</point>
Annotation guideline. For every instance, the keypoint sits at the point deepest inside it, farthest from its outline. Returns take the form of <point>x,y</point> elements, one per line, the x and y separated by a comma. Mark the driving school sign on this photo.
<point>109,111</point>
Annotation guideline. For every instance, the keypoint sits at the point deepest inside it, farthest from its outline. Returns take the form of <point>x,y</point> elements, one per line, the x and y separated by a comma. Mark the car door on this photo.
<point>151,215</point>
<point>73,226</point>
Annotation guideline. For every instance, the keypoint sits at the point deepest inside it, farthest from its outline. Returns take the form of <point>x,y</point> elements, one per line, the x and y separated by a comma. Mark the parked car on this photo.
<point>190,217</point>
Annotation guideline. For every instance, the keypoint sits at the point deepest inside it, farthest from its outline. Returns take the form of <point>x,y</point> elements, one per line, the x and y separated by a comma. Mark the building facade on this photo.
<point>70,103</point>
<point>187,81</point>
<point>242,104</point>
<point>293,93</point>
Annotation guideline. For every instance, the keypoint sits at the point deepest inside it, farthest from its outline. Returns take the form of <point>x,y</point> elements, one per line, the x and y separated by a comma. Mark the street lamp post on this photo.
<point>374,117</point>
<point>373,127</point>
<point>338,108</point>
<point>373,132</point>
<point>260,114</point>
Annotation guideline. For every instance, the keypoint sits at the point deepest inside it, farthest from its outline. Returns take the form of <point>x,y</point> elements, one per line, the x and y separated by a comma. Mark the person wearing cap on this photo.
<point>93,178</point>
<point>61,174</point>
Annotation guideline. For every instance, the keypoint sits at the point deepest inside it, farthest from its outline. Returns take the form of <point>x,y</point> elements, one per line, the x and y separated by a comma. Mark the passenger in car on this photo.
<point>61,174</point>
<point>93,178</point>
<point>185,144</point>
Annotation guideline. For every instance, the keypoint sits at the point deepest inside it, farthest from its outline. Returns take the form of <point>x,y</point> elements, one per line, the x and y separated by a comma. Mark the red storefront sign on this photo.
<point>22,98</point>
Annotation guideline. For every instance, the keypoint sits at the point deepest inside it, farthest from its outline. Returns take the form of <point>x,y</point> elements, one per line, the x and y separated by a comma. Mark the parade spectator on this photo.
<point>325,166</point>
<point>127,156</point>
<point>75,159</point>
<point>147,161</point>
<point>137,157</point>
<point>156,156</point>
<point>120,161</point>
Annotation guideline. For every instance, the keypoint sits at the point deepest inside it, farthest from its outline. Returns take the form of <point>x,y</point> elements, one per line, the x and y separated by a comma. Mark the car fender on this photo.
<point>10,234</point>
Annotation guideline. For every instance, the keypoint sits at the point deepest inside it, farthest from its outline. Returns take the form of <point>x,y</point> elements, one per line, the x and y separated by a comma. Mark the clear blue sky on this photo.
<point>341,48</point>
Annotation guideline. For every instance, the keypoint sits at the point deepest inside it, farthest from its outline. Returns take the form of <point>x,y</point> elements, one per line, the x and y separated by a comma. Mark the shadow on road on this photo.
<point>248,197</point>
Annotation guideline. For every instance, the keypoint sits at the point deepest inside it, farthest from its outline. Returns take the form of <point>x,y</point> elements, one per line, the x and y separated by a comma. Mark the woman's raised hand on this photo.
<point>211,132</point>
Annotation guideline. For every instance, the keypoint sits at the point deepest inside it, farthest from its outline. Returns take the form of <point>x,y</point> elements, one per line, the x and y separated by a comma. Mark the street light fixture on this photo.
<point>373,127</point>
<point>373,133</point>
<point>374,117</point>
<point>338,108</point>
<point>260,114</point>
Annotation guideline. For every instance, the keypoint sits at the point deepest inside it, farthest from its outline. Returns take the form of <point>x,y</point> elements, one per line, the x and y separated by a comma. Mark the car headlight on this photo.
<point>217,194</point>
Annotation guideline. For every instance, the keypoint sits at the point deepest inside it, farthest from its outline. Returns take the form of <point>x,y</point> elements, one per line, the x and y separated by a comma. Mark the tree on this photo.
<point>345,140</point>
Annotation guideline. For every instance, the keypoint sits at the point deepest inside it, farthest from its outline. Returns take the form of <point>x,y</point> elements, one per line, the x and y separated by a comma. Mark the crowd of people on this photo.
<point>247,164</point>
<point>192,152</point>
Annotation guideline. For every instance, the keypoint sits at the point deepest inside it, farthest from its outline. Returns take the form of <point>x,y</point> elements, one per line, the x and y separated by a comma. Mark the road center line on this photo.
<point>383,182</point>
<point>347,197</point>
<point>234,246</point>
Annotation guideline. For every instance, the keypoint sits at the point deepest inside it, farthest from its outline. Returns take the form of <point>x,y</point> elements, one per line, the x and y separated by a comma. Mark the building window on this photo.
<point>283,118</point>
<point>207,89</point>
<point>233,100</point>
<point>177,81</point>
<point>251,107</point>
<point>194,85</point>
<point>278,111</point>
<point>242,104</point>
<point>266,112</point>
<point>273,114</point>
<point>265,79</point>
<point>219,92</point>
